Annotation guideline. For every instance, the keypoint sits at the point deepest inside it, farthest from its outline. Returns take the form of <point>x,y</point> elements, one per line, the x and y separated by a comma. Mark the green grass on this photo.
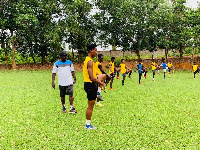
<point>155,115</point>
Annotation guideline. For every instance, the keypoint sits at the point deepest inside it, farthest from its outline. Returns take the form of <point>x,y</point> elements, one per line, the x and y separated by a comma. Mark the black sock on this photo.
<point>122,82</point>
<point>130,74</point>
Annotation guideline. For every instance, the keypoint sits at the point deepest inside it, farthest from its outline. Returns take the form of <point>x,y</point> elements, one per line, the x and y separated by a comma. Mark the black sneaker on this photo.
<point>72,111</point>
<point>99,97</point>
<point>64,110</point>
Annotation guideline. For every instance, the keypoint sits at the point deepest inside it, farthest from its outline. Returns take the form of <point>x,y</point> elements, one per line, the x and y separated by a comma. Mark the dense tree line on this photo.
<point>38,28</point>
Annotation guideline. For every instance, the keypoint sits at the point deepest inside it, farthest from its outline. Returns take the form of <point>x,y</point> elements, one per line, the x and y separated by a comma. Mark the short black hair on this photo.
<point>112,58</point>
<point>63,53</point>
<point>100,55</point>
<point>122,60</point>
<point>91,47</point>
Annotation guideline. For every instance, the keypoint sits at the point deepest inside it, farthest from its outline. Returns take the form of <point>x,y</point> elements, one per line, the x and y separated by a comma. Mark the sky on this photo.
<point>192,3</point>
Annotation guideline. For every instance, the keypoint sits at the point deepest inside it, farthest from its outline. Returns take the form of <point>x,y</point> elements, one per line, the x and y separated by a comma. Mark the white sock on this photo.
<point>99,90</point>
<point>88,122</point>
<point>158,71</point>
<point>98,102</point>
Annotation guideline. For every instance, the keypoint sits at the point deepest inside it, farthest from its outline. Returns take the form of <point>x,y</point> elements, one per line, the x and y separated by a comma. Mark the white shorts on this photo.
<point>164,70</point>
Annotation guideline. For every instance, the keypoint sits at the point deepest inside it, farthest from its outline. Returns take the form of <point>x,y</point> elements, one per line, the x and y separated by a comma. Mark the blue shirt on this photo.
<point>139,68</point>
<point>164,65</point>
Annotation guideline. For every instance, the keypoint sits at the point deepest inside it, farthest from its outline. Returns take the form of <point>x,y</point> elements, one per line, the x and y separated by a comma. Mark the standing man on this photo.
<point>90,83</point>
<point>112,71</point>
<point>124,70</point>
<point>164,65</point>
<point>140,70</point>
<point>154,66</point>
<point>65,71</point>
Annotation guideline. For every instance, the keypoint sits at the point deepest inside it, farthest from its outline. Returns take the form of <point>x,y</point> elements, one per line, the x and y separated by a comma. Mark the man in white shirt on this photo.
<point>65,71</point>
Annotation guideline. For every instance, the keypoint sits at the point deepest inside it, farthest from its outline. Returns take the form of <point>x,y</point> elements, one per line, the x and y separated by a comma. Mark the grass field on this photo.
<point>164,114</point>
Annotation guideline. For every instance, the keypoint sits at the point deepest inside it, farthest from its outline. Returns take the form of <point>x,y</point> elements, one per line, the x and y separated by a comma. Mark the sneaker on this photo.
<point>154,80</point>
<point>112,89</point>
<point>72,111</point>
<point>145,77</point>
<point>130,77</point>
<point>100,97</point>
<point>118,78</point>
<point>64,110</point>
<point>99,104</point>
<point>140,84</point>
<point>90,127</point>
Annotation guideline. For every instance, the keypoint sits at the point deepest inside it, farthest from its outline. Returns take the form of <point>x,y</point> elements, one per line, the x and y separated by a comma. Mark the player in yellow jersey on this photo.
<point>112,71</point>
<point>124,70</point>
<point>154,67</point>
<point>90,83</point>
<point>170,67</point>
<point>195,69</point>
<point>102,76</point>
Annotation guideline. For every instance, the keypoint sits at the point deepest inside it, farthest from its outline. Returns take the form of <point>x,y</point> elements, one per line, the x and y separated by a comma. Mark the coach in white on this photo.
<point>65,71</point>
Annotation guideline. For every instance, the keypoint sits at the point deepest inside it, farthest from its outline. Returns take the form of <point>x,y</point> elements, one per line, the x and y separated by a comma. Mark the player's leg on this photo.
<point>71,99</point>
<point>169,72</point>
<point>91,90</point>
<point>164,70</point>
<point>129,71</point>
<point>154,74</point>
<point>117,70</point>
<point>140,75</point>
<point>111,81</point>
<point>124,75</point>
<point>62,96</point>
<point>101,78</point>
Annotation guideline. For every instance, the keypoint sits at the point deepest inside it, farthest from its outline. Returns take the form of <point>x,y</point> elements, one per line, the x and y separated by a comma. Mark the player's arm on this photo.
<point>53,79</point>
<point>102,70</point>
<point>74,76</point>
<point>90,72</point>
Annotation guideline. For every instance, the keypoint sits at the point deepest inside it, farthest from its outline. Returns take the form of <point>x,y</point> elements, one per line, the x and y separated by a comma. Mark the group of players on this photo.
<point>96,79</point>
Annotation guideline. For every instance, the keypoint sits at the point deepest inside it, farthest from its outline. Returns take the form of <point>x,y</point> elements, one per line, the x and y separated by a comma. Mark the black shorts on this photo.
<point>91,90</point>
<point>196,71</point>
<point>112,75</point>
<point>66,90</point>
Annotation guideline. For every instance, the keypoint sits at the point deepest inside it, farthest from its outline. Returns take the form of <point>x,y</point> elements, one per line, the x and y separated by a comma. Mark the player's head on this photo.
<point>63,56</point>
<point>122,61</point>
<point>194,63</point>
<point>140,61</point>
<point>92,49</point>
<point>153,60</point>
<point>100,58</point>
<point>112,59</point>
<point>170,62</point>
<point>163,61</point>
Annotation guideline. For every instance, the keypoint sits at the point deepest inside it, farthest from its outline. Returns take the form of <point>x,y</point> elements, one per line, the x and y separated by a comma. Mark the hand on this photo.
<point>74,82</point>
<point>53,85</point>
<point>114,73</point>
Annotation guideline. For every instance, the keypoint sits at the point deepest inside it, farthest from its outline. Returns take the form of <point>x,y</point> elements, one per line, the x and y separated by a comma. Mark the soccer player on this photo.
<point>153,66</point>
<point>145,71</point>
<point>112,71</point>
<point>195,68</point>
<point>124,70</point>
<point>65,71</point>
<point>102,76</point>
<point>164,65</point>
<point>90,83</point>
<point>140,70</point>
<point>170,67</point>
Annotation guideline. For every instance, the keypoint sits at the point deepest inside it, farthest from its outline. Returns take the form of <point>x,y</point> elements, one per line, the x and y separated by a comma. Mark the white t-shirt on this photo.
<point>64,70</point>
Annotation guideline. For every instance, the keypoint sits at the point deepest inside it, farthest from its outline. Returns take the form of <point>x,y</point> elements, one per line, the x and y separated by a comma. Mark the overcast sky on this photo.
<point>193,3</point>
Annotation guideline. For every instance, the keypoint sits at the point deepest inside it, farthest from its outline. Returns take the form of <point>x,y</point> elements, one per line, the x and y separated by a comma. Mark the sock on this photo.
<point>99,91</point>
<point>130,74</point>
<point>98,102</point>
<point>63,105</point>
<point>158,71</point>
<point>88,122</point>
<point>71,106</point>
<point>153,78</point>
<point>164,76</point>
<point>139,80</point>
<point>122,82</point>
